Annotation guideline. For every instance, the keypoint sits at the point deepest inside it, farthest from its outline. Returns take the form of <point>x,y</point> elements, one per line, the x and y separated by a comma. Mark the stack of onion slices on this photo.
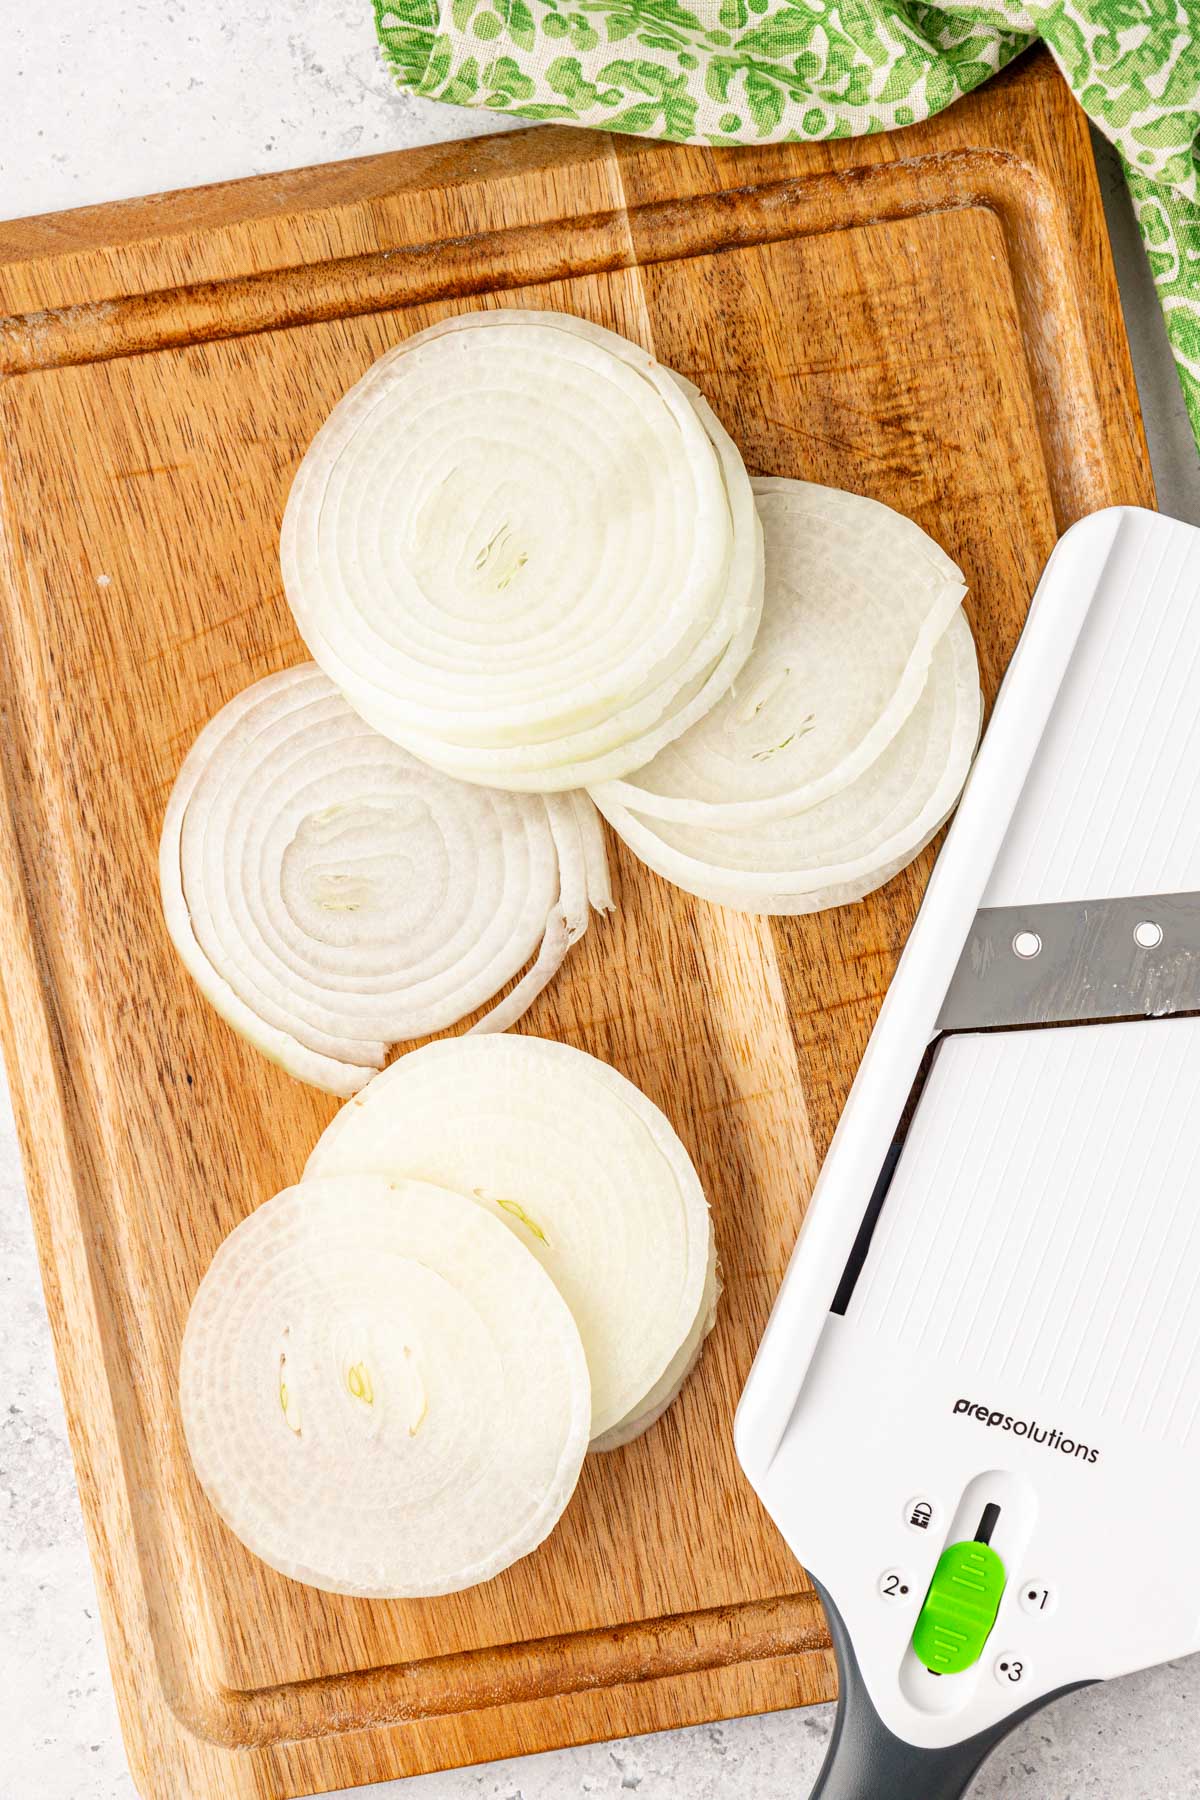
<point>524,550</point>
<point>499,1254</point>
<point>331,895</point>
<point>584,1170</point>
<point>382,1392</point>
<point>846,740</point>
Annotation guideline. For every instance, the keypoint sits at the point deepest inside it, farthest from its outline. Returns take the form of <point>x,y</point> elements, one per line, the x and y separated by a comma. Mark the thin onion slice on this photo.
<point>524,550</point>
<point>854,841</point>
<point>668,1387</point>
<point>582,1168</point>
<point>857,598</point>
<point>382,1393</point>
<point>331,895</point>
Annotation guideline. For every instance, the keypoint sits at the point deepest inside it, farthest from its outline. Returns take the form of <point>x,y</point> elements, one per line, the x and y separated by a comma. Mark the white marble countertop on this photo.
<point>126,96</point>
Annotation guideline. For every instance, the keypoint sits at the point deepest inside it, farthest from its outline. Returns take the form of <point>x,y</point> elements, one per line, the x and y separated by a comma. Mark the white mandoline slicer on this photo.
<point>975,1414</point>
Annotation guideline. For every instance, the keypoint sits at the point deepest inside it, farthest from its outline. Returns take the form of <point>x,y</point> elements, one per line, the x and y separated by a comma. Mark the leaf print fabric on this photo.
<point>747,71</point>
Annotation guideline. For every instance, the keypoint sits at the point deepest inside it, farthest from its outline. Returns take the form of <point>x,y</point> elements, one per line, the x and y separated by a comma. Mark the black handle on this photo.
<point>866,1761</point>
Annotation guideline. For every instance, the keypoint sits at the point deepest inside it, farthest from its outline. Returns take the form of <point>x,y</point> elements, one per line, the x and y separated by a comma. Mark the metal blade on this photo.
<point>1077,961</point>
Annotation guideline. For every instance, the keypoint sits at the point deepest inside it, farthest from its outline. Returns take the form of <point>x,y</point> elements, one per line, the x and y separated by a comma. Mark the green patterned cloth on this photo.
<point>751,71</point>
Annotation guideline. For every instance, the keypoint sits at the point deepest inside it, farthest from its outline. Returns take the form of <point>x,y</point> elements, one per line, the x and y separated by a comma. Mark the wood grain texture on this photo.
<point>930,318</point>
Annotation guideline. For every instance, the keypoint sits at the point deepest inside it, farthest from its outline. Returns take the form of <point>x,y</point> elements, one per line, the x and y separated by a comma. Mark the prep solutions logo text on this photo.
<point>1050,1436</point>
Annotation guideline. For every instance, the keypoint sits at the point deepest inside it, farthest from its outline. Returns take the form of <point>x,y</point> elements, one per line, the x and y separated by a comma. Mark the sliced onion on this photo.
<point>582,1168</point>
<point>331,895</point>
<point>852,842</point>
<point>668,1387</point>
<point>857,598</point>
<point>524,550</point>
<point>382,1392</point>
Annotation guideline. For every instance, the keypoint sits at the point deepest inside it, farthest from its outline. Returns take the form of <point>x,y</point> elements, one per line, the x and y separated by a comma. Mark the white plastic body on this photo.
<point>1038,1252</point>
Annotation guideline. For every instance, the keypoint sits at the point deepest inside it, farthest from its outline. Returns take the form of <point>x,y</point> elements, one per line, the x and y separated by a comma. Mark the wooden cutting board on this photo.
<point>930,318</point>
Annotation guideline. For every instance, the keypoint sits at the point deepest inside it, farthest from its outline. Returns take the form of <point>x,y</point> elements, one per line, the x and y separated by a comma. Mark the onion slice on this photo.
<point>382,1393</point>
<point>668,1387</point>
<point>851,842</point>
<point>857,598</point>
<point>524,550</point>
<point>331,895</point>
<point>584,1171</point>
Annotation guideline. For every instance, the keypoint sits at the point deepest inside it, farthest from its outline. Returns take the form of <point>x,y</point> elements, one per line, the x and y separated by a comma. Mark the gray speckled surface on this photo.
<point>128,96</point>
